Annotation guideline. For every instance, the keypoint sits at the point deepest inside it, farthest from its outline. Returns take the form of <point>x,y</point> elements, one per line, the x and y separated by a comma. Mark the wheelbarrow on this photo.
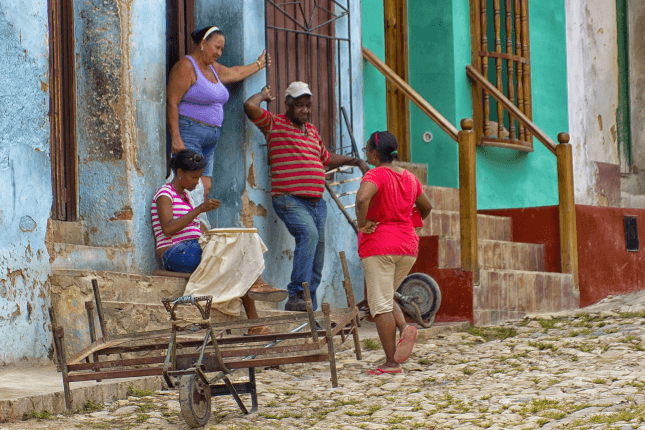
<point>418,296</point>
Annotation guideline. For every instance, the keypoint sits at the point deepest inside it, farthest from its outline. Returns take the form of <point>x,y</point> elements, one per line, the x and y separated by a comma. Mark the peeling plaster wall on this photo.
<point>25,172</point>
<point>637,86</point>
<point>241,175</point>
<point>120,64</point>
<point>593,94</point>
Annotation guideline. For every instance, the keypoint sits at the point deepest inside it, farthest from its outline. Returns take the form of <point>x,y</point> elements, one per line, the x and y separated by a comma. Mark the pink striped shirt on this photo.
<point>179,209</point>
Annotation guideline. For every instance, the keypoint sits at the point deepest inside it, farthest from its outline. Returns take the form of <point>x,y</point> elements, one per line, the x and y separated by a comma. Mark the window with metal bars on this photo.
<point>501,53</point>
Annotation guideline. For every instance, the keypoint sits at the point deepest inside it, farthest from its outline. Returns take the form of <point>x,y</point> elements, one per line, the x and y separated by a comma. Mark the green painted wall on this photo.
<point>439,50</point>
<point>507,178</point>
<point>373,82</point>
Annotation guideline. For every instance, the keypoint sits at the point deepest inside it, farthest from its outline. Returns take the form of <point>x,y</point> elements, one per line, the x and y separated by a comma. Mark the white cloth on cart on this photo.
<point>231,262</point>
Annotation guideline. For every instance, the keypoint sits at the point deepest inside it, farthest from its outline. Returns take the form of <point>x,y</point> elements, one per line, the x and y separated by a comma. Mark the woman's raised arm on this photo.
<point>233,74</point>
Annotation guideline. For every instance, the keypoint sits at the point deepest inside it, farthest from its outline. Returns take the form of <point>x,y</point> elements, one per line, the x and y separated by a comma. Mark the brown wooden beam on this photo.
<point>468,198</point>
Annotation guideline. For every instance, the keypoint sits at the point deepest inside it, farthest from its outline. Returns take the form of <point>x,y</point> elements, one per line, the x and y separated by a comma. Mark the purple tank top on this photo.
<point>204,100</point>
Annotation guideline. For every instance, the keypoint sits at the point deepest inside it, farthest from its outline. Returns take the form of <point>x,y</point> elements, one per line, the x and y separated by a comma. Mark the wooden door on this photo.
<point>396,58</point>
<point>62,110</point>
<point>180,22</point>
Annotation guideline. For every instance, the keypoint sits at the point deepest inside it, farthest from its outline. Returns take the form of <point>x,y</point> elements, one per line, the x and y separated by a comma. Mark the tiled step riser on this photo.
<point>505,295</point>
<point>494,255</point>
<point>446,224</point>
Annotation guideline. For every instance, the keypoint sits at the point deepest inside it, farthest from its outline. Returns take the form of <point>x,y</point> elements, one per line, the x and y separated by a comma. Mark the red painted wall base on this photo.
<point>605,267</point>
<point>456,285</point>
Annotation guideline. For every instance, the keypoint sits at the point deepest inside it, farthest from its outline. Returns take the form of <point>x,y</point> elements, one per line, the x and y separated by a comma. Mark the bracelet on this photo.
<point>259,65</point>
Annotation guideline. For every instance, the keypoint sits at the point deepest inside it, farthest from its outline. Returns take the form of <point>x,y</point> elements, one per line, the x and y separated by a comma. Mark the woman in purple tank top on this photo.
<point>196,95</point>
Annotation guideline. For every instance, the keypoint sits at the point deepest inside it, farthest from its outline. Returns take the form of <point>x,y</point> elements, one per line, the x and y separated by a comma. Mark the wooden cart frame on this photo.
<point>217,352</point>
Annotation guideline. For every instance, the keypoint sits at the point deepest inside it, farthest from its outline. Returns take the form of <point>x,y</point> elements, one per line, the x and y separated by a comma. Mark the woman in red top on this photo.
<point>387,243</point>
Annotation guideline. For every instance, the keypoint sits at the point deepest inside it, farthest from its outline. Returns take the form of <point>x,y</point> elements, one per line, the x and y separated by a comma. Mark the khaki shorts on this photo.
<point>383,275</point>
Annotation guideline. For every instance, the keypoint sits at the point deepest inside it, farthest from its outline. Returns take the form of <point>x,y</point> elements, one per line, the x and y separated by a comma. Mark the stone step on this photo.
<point>419,170</point>
<point>494,254</point>
<point>504,295</point>
<point>68,256</point>
<point>129,318</point>
<point>443,198</point>
<point>131,302</point>
<point>446,224</point>
<point>68,232</point>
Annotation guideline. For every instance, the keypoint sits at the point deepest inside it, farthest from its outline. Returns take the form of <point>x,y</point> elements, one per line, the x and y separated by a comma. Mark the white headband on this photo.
<point>210,30</point>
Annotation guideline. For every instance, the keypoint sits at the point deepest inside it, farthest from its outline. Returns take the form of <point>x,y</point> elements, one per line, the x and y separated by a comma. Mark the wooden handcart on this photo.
<point>201,355</point>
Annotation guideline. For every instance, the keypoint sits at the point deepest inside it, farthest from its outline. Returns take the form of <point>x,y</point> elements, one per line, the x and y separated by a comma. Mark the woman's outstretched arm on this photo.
<point>229,75</point>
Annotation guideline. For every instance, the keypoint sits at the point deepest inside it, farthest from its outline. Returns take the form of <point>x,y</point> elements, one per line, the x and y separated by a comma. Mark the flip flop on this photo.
<point>405,345</point>
<point>267,293</point>
<point>259,330</point>
<point>379,371</point>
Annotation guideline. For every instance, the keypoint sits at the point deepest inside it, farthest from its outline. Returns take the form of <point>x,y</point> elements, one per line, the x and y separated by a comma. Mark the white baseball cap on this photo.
<point>297,89</point>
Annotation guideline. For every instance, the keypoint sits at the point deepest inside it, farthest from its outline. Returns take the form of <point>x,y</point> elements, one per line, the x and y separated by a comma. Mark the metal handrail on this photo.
<point>415,97</point>
<point>479,79</point>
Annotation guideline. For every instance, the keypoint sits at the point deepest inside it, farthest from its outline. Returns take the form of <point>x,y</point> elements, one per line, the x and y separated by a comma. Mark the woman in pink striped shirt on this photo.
<point>174,215</point>
<point>177,230</point>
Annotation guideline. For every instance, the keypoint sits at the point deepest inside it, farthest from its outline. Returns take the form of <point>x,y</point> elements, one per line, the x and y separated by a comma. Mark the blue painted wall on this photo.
<point>241,178</point>
<point>25,172</point>
<point>121,60</point>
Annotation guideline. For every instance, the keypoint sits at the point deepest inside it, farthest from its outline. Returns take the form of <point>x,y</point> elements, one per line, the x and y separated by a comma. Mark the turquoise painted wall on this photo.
<point>374,82</point>
<point>439,51</point>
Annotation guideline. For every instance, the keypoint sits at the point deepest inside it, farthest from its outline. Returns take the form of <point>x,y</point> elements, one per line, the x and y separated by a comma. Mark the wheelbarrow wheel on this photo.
<point>426,293</point>
<point>194,400</point>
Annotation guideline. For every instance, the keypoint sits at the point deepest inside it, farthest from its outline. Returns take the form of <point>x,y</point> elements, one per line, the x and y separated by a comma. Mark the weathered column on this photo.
<point>567,208</point>
<point>468,198</point>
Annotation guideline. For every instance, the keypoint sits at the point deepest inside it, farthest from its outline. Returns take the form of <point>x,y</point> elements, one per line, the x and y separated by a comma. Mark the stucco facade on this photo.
<point>120,64</point>
<point>439,51</point>
<point>25,172</point>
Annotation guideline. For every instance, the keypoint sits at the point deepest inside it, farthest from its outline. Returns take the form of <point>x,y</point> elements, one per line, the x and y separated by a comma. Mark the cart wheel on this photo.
<point>425,291</point>
<point>195,400</point>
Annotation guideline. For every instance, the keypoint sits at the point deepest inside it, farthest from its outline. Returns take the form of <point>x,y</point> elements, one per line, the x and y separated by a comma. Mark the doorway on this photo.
<point>62,110</point>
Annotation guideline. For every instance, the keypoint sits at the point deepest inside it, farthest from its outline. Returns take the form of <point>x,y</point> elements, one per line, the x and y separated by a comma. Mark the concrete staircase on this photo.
<point>71,250</point>
<point>512,278</point>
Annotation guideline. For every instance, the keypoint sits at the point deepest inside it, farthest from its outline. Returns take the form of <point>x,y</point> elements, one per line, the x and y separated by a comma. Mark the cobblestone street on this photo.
<point>577,370</point>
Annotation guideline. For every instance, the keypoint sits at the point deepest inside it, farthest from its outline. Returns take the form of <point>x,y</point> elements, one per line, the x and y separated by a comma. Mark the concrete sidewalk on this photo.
<point>35,388</point>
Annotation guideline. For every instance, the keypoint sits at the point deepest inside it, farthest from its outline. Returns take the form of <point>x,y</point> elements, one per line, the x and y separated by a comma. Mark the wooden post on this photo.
<point>567,206</point>
<point>468,198</point>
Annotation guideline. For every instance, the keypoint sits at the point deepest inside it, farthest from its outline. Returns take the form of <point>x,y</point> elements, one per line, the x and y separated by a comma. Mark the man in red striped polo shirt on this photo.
<point>298,158</point>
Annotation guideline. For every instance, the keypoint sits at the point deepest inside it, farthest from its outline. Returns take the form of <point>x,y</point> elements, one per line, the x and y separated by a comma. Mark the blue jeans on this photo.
<point>184,256</point>
<point>200,138</point>
<point>306,223</point>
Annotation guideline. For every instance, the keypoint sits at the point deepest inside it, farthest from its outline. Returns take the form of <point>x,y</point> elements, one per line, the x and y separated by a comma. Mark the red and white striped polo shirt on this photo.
<point>297,158</point>
<point>180,207</point>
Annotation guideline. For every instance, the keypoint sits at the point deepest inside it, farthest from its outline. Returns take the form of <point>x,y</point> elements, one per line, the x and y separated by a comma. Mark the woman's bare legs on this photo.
<point>386,325</point>
<point>249,307</point>
<point>399,317</point>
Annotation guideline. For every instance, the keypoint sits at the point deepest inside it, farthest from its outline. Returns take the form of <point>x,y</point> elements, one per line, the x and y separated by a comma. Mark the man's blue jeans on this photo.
<point>306,223</point>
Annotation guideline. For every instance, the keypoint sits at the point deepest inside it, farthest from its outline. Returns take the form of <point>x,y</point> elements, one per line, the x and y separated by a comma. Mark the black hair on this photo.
<point>187,160</point>
<point>385,144</point>
<point>198,35</point>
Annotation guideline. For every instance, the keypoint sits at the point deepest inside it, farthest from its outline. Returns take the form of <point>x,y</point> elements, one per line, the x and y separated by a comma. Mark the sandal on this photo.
<point>259,330</point>
<point>266,293</point>
<point>382,371</point>
<point>405,345</point>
